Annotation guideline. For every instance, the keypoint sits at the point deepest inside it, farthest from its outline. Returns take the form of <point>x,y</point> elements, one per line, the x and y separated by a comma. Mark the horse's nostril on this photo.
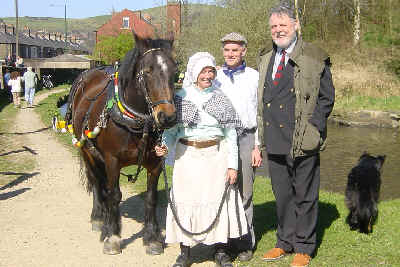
<point>166,121</point>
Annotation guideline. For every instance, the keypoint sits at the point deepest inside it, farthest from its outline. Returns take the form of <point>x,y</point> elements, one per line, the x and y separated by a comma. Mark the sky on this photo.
<point>75,8</point>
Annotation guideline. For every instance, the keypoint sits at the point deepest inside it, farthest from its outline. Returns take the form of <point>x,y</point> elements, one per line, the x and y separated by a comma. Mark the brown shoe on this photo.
<point>300,260</point>
<point>274,254</point>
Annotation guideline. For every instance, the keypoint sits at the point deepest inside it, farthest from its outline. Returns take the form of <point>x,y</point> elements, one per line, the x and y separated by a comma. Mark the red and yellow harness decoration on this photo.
<point>119,104</point>
<point>62,125</point>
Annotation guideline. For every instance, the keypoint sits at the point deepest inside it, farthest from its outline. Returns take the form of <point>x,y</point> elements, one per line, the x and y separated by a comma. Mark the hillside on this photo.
<point>57,24</point>
<point>88,25</point>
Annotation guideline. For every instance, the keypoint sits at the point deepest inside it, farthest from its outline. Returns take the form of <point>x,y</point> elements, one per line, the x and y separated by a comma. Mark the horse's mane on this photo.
<point>128,64</point>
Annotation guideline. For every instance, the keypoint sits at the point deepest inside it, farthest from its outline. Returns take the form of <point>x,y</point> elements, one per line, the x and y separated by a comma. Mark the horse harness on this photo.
<point>121,114</point>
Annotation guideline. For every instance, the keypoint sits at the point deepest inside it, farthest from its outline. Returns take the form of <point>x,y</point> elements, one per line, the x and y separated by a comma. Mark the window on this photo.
<point>125,22</point>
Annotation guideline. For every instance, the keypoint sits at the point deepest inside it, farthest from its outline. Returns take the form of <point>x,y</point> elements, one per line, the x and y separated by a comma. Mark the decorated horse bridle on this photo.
<point>142,84</point>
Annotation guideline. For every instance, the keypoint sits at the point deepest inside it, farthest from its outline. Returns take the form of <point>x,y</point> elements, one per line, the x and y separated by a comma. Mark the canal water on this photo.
<point>345,146</point>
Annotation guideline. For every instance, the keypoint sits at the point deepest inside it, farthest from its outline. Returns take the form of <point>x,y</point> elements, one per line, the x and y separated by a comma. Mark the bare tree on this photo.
<point>296,7</point>
<point>357,23</point>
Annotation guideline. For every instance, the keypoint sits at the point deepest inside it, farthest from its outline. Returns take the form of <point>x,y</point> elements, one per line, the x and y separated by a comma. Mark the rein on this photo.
<point>171,202</point>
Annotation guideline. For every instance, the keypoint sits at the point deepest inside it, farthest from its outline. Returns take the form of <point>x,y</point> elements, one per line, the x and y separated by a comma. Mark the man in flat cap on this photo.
<point>239,83</point>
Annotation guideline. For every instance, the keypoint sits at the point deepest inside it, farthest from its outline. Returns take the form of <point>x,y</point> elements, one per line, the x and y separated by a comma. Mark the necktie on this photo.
<point>279,70</point>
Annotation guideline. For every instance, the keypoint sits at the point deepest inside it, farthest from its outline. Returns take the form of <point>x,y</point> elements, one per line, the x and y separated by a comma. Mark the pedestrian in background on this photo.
<point>30,79</point>
<point>7,77</point>
<point>15,83</point>
<point>20,62</point>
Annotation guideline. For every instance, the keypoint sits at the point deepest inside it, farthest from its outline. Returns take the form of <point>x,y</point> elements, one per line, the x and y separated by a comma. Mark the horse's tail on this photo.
<point>83,176</point>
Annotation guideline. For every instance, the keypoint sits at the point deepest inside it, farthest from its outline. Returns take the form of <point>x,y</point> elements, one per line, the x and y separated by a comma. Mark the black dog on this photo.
<point>362,192</point>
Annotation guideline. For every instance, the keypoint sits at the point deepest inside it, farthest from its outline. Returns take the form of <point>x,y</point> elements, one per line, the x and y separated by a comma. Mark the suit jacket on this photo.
<point>314,97</point>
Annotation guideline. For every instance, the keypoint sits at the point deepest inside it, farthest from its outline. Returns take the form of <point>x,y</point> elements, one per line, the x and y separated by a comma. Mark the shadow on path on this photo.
<point>15,193</point>
<point>23,177</point>
<point>30,132</point>
<point>25,148</point>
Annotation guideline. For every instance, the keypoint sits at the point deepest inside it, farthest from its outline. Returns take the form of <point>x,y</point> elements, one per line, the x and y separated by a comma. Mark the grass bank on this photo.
<point>337,245</point>
<point>16,161</point>
<point>364,80</point>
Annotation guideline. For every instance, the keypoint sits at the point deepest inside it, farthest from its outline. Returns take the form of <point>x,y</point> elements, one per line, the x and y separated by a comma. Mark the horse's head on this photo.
<point>155,74</point>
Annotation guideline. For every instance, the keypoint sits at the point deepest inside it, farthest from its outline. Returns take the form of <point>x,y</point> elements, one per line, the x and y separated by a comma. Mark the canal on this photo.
<point>345,146</point>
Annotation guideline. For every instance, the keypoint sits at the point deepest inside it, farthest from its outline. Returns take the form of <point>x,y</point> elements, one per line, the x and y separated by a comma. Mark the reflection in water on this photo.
<point>345,146</point>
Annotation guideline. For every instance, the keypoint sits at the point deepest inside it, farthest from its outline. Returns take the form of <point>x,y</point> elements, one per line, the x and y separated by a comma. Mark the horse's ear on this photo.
<point>142,44</point>
<point>142,34</point>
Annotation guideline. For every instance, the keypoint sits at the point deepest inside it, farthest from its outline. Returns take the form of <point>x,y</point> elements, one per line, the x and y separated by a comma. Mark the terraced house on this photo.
<point>36,44</point>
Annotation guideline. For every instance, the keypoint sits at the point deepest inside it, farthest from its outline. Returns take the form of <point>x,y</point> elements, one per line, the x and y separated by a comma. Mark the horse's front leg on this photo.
<point>152,238</point>
<point>111,230</point>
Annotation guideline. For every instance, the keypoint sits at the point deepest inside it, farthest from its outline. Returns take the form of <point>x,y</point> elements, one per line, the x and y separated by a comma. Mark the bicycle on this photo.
<point>46,81</point>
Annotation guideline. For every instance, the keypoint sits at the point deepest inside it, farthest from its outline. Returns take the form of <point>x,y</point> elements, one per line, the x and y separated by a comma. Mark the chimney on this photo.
<point>174,18</point>
<point>147,17</point>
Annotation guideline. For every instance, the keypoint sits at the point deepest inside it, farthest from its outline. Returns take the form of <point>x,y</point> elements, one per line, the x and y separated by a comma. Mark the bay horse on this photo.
<point>116,120</point>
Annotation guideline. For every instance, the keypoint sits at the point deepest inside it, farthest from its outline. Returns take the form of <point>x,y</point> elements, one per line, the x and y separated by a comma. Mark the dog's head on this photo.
<point>368,160</point>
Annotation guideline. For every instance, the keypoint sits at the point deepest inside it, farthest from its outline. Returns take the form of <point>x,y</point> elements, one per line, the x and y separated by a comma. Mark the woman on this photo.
<point>206,158</point>
<point>15,83</point>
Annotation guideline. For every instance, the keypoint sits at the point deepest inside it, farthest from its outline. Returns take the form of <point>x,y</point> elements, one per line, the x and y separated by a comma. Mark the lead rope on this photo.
<point>171,202</point>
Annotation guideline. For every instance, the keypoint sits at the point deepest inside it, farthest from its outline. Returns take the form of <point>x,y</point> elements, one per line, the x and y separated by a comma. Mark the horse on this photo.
<point>117,119</point>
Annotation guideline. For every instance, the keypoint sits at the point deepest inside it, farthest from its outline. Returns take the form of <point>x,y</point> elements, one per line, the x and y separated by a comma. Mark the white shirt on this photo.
<point>278,56</point>
<point>243,95</point>
<point>15,85</point>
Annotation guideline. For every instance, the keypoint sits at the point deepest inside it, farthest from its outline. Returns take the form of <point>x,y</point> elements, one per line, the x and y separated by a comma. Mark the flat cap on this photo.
<point>234,37</point>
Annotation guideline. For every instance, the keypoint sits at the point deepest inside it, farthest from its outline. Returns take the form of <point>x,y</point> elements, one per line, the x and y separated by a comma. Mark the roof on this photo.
<point>61,62</point>
<point>24,39</point>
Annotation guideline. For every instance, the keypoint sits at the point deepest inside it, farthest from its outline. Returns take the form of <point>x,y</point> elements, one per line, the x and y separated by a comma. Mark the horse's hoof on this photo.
<point>112,245</point>
<point>154,248</point>
<point>97,225</point>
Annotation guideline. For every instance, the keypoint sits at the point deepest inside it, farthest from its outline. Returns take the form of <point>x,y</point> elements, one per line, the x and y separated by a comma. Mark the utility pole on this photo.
<point>16,31</point>
<point>65,23</point>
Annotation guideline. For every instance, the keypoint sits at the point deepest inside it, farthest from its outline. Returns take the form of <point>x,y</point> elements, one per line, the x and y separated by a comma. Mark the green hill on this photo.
<point>90,24</point>
<point>57,24</point>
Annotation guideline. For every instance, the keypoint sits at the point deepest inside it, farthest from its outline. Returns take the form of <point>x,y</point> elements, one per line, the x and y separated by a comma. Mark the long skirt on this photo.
<point>198,185</point>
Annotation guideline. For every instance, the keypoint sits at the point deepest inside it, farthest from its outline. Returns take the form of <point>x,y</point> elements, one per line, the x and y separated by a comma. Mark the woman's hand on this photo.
<point>161,150</point>
<point>231,176</point>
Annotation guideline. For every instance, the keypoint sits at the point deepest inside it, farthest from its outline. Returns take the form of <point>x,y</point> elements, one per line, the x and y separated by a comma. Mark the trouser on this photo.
<point>296,188</point>
<point>246,177</point>
<point>16,98</point>
<point>29,95</point>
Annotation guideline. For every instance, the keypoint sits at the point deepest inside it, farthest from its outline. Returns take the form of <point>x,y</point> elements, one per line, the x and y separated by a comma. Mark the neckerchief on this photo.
<point>229,72</point>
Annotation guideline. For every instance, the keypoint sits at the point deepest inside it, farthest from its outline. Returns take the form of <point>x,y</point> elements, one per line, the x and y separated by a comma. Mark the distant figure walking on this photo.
<point>15,83</point>
<point>7,77</point>
<point>31,80</point>
<point>20,62</point>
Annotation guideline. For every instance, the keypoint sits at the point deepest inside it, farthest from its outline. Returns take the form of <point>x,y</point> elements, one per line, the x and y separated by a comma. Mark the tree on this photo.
<point>357,23</point>
<point>110,49</point>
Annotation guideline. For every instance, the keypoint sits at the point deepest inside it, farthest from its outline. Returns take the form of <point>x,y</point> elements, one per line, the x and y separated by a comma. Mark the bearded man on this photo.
<point>295,98</point>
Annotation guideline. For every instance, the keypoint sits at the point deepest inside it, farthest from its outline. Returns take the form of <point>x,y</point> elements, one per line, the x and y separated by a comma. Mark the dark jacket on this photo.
<point>314,94</point>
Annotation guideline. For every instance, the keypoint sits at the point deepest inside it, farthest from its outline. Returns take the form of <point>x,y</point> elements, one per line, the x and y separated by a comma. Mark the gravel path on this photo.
<point>45,218</point>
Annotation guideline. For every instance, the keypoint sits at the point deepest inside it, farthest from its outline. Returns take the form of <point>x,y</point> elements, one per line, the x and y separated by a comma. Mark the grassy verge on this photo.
<point>16,162</point>
<point>337,245</point>
<point>359,102</point>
